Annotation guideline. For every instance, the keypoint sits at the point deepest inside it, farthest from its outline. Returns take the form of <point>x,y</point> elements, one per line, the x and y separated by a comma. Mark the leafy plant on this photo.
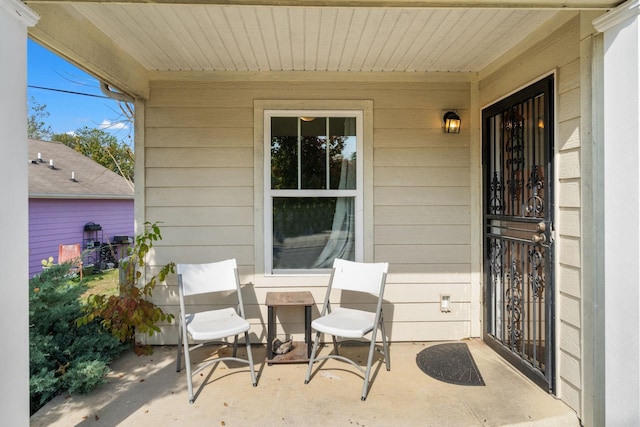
<point>131,311</point>
<point>57,347</point>
<point>47,263</point>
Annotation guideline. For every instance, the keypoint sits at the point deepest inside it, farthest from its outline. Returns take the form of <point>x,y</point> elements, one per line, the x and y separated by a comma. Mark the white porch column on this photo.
<point>621,114</point>
<point>15,17</point>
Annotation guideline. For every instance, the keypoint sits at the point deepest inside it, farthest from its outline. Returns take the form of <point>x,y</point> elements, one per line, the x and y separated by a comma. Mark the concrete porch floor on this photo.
<point>147,391</point>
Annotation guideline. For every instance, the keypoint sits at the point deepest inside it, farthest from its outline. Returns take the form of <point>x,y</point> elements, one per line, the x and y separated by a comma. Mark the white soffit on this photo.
<point>173,37</point>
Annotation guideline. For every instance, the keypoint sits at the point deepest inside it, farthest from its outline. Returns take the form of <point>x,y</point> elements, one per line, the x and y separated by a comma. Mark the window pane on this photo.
<point>284,153</point>
<point>342,153</point>
<point>311,232</point>
<point>314,153</point>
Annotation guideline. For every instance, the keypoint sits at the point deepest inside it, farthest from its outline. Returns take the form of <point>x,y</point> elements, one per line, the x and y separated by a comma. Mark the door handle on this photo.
<point>539,238</point>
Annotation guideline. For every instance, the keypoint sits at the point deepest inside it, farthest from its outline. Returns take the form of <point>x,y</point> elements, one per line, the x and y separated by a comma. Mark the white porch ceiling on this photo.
<point>199,37</point>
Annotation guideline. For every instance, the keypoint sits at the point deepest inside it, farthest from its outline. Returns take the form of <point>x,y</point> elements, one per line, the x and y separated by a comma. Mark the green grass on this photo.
<point>105,283</point>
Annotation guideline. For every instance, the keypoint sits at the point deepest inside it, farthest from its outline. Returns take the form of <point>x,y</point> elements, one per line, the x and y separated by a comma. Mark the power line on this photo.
<point>69,91</point>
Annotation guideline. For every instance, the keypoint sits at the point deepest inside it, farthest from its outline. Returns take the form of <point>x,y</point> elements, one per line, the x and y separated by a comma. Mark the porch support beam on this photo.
<point>507,4</point>
<point>89,49</point>
<point>15,17</point>
<point>621,113</point>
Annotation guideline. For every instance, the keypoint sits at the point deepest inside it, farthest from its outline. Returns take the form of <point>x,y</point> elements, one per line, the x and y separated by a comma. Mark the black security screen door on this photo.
<point>518,230</point>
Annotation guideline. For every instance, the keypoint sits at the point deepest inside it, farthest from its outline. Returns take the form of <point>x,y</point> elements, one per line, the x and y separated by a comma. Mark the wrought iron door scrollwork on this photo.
<point>513,297</point>
<point>536,277</point>
<point>496,201</point>
<point>495,261</point>
<point>535,204</point>
<point>514,149</point>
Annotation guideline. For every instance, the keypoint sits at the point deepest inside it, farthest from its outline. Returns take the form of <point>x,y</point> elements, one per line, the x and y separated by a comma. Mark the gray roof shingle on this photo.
<point>92,180</point>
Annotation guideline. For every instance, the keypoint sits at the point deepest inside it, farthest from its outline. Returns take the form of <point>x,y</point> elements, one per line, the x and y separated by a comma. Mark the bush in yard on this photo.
<point>63,356</point>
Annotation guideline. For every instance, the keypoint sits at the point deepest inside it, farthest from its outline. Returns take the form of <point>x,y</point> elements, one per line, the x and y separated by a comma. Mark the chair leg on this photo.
<point>250,357</point>
<point>385,345</point>
<point>335,345</point>
<point>372,349</point>
<point>235,346</point>
<point>312,357</point>
<point>179,356</point>
<point>187,362</point>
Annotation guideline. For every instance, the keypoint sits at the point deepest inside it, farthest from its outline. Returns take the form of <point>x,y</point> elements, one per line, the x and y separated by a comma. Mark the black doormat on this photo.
<point>451,363</point>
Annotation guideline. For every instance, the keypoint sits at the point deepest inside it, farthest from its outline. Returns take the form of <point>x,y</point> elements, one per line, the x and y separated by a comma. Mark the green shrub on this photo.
<point>85,376</point>
<point>43,386</point>
<point>63,356</point>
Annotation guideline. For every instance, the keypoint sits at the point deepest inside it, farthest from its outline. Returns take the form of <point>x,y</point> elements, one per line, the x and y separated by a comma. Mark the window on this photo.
<point>313,194</point>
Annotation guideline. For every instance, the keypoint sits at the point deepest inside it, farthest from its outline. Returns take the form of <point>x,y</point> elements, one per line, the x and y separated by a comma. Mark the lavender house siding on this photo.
<point>56,221</point>
<point>59,207</point>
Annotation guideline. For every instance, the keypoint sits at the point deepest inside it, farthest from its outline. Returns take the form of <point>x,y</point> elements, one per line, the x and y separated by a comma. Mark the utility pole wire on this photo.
<point>68,91</point>
<point>125,107</point>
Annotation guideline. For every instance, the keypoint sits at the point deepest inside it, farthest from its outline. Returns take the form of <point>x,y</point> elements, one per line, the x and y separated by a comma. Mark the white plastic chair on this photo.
<point>352,323</point>
<point>214,325</point>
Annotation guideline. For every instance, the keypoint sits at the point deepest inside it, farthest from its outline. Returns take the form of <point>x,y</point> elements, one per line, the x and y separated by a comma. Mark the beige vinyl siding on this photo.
<point>559,52</point>
<point>422,215</point>
<point>201,178</point>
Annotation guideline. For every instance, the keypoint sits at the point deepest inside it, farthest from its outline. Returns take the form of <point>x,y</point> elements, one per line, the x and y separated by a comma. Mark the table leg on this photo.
<point>270,332</point>
<point>307,328</point>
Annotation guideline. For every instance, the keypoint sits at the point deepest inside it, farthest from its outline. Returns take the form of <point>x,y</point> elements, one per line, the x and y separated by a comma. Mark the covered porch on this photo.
<point>203,78</point>
<point>147,391</point>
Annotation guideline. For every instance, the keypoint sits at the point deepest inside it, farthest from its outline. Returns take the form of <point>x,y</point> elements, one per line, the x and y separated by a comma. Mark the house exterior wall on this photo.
<point>61,221</point>
<point>202,170</point>
<point>560,53</point>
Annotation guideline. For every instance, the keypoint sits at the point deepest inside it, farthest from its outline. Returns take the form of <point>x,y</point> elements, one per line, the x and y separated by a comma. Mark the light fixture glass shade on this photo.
<point>451,122</point>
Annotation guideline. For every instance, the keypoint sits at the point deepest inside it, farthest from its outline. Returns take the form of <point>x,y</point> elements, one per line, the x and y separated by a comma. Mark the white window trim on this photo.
<point>269,193</point>
<point>259,277</point>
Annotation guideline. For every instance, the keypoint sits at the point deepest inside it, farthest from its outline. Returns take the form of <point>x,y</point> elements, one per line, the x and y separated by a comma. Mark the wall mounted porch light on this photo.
<point>451,122</point>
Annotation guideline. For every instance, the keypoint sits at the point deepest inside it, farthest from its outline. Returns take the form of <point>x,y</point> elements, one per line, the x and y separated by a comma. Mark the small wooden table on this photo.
<point>301,351</point>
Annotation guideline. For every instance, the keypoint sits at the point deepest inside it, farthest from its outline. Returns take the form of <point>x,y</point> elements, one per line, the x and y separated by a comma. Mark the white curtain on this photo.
<point>341,239</point>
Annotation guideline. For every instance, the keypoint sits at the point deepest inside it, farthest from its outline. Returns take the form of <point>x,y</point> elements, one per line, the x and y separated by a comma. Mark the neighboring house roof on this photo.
<point>92,180</point>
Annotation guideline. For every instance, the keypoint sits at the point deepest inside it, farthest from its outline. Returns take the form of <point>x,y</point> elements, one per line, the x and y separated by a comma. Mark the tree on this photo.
<point>37,127</point>
<point>101,147</point>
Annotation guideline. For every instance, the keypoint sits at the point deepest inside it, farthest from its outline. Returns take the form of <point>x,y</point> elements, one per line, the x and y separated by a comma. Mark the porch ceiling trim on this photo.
<point>310,76</point>
<point>538,4</point>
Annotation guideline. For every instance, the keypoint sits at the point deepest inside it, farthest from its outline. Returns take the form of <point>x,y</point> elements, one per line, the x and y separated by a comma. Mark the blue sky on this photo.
<point>69,112</point>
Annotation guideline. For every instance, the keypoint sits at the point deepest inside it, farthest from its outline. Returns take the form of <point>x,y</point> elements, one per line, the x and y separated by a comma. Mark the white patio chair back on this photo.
<point>359,277</point>
<point>206,278</point>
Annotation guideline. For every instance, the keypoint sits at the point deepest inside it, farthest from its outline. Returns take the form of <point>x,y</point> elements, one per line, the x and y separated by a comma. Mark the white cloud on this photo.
<point>71,132</point>
<point>108,124</point>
